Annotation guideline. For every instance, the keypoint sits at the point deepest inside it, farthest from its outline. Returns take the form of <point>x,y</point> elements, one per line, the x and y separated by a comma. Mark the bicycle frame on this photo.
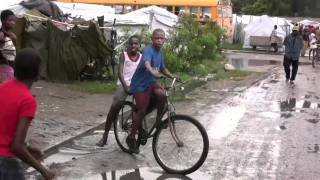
<point>170,110</point>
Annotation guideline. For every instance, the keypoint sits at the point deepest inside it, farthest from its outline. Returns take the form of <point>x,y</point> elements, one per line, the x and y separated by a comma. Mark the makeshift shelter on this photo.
<point>86,11</point>
<point>307,22</point>
<point>149,18</point>
<point>65,49</point>
<point>261,27</point>
<point>240,22</point>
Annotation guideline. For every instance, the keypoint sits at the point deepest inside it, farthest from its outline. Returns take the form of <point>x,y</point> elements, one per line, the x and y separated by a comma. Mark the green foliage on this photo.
<point>277,7</point>
<point>95,86</point>
<point>190,43</point>
<point>270,7</point>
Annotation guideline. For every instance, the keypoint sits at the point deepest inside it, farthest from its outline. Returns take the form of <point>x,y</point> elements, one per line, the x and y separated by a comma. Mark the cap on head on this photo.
<point>295,28</point>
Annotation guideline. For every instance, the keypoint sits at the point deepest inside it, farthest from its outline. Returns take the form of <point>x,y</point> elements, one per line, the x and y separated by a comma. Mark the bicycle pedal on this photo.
<point>143,137</point>
<point>143,141</point>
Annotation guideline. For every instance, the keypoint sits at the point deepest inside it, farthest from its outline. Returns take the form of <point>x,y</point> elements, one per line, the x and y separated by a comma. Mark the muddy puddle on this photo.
<point>134,174</point>
<point>145,174</point>
<point>84,147</point>
<point>245,64</point>
<point>292,104</point>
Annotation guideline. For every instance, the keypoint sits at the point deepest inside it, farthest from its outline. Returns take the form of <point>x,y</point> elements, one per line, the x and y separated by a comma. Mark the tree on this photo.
<point>277,7</point>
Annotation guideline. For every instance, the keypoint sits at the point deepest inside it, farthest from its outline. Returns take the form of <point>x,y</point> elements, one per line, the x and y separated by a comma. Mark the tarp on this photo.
<point>69,51</point>
<point>8,4</point>
<point>307,22</point>
<point>15,6</point>
<point>261,27</point>
<point>64,53</point>
<point>86,11</point>
<point>149,18</point>
<point>242,21</point>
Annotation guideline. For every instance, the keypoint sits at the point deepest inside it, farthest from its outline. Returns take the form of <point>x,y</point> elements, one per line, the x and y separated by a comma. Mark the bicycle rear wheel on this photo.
<point>123,125</point>
<point>181,159</point>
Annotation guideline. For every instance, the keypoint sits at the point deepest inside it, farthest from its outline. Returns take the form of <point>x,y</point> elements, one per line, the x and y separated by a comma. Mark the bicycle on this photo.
<point>316,58</point>
<point>174,135</point>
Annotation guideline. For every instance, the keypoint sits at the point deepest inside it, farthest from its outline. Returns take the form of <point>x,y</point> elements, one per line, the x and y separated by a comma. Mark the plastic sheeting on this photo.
<point>261,27</point>
<point>149,18</point>
<point>242,21</point>
<point>6,4</point>
<point>307,22</point>
<point>86,11</point>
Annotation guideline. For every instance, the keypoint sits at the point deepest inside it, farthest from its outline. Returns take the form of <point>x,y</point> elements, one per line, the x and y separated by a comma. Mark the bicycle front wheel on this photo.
<point>181,159</point>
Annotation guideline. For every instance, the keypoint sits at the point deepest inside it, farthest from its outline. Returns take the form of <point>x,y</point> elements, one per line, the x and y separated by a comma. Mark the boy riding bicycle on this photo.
<point>128,63</point>
<point>144,84</point>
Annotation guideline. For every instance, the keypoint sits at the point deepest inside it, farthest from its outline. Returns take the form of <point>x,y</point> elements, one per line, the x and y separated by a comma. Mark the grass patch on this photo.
<point>95,87</point>
<point>237,75</point>
<point>236,46</point>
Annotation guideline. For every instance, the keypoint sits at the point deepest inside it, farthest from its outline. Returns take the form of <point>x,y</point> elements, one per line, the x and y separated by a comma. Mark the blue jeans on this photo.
<point>11,169</point>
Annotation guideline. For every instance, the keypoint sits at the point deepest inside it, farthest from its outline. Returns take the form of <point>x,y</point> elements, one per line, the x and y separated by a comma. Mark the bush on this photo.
<point>191,43</point>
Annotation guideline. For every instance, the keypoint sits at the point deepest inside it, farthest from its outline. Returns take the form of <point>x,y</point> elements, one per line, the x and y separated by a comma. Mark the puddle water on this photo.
<point>246,63</point>
<point>226,120</point>
<point>85,146</point>
<point>144,174</point>
<point>292,104</point>
<point>314,121</point>
<point>314,149</point>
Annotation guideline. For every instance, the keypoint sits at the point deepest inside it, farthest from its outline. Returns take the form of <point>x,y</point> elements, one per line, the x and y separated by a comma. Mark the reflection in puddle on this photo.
<point>315,149</point>
<point>144,174</point>
<point>133,174</point>
<point>292,104</point>
<point>245,63</point>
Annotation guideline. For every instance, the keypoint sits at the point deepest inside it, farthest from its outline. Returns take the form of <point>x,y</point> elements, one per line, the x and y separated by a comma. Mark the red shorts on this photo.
<point>143,98</point>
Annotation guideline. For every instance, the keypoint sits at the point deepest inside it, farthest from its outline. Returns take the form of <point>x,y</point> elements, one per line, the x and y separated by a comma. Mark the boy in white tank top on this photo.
<point>128,63</point>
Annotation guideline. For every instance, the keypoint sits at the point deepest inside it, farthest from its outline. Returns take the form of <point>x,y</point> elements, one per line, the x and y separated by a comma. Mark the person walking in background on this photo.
<point>293,45</point>
<point>305,37</point>
<point>313,45</point>
<point>274,39</point>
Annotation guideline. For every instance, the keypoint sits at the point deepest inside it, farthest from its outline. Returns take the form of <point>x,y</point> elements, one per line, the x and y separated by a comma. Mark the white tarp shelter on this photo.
<point>307,22</point>
<point>261,27</point>
<point>151,17</point>
<point>85,11</point>
<point>14,6</point>
<point>240,22</point>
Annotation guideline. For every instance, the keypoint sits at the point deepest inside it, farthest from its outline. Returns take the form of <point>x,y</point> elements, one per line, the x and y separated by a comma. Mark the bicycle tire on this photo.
<point>204,137</point>
<point>123,124</point>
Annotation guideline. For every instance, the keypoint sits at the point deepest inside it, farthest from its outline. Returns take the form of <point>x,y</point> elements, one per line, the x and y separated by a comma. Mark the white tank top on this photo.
<point>129,67</point>
<point>8,49</point>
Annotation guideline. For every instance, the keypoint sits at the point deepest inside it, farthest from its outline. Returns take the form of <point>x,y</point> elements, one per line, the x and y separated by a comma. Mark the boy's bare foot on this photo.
<point>102,142</point>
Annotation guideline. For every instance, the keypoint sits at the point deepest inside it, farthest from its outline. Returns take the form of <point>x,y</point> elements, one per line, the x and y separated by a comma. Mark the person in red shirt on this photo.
<point>18,107</point>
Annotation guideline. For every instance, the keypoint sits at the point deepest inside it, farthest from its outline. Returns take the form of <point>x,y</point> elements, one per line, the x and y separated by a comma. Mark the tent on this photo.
<point>307,22</point>
<point>85,11</point>
<point>240,22</point>
<point>8,4</point>
<point>261,27</point>
<point>151,17</point>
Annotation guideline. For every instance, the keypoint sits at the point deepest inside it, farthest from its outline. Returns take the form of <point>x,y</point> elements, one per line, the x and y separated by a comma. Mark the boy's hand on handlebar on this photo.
<point>157,74</point>
<point>177,78</point>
